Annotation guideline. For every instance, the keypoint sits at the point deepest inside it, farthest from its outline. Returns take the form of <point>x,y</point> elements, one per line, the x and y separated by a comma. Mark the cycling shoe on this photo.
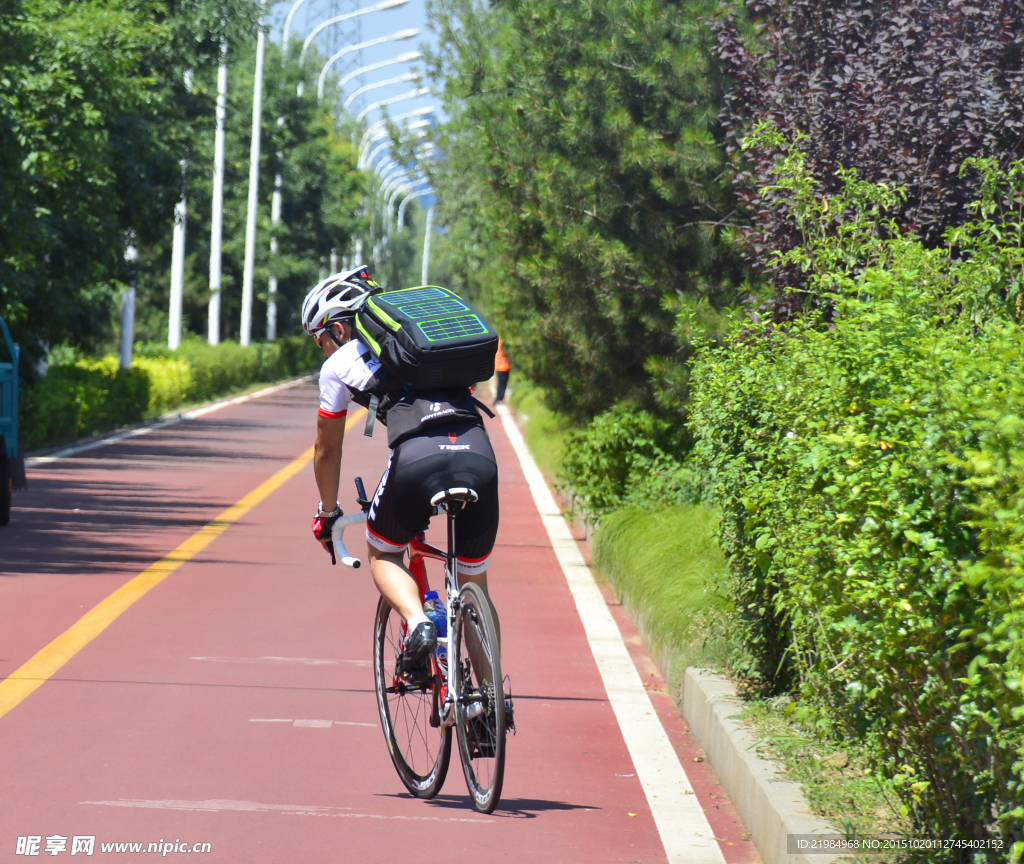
<point>419,645</point>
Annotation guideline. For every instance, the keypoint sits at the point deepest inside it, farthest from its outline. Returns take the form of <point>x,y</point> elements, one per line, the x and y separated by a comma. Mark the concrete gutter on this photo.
<point>769,806</point>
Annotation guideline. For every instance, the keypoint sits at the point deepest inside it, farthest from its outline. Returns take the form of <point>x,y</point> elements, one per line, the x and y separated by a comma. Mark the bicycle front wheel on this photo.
<point>480,717</point>
<point>420,751</point>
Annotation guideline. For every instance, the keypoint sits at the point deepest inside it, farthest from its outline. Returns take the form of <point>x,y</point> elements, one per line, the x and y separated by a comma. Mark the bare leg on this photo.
<point>481,580</point>
<point>395,582</point>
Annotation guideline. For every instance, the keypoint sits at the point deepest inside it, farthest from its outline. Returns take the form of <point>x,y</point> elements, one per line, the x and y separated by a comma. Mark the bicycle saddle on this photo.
<point>450,496</point>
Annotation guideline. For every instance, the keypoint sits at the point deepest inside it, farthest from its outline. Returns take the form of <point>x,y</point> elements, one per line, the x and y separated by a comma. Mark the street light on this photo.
<point>337,19</point>
<point>426,245</point>
<point>288,23</point>
<point>402,97</point>
<point>407,186</point>
<point>381,124</point>
<point>407,57</point>
<point>245,331</point>
<point>397,36</point>
<point>400,79</point>
<point>217,215</point>
<point>406,200</point>
<point>365,161</point>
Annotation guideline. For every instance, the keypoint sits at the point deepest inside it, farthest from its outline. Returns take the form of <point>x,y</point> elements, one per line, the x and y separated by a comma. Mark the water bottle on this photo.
<point>434,609</point>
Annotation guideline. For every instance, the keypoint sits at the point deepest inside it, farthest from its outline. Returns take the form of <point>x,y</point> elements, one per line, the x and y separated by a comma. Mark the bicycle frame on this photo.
<point>419,550</point>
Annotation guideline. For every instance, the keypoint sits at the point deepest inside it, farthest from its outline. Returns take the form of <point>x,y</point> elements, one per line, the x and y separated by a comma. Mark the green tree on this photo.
<point>322,193</point>
<point>581,181</point>
<point>93,121</point>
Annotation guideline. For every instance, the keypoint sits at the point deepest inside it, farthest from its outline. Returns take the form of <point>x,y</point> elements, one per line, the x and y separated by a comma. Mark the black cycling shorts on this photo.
<point>441,458</point>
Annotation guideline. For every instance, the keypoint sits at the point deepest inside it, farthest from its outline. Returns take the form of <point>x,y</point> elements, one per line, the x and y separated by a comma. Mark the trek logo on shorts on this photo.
<point>453,447</point>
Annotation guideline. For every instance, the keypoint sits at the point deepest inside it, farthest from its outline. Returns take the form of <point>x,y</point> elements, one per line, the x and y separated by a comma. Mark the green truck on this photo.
<point>12,465</point>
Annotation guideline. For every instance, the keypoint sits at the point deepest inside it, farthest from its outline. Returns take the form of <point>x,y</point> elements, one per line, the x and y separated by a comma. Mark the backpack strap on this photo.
<point>371,415</point>
<point>483,407</point>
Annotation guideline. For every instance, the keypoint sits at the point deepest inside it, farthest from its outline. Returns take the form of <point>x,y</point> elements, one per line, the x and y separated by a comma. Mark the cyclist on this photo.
<point>437,441</point>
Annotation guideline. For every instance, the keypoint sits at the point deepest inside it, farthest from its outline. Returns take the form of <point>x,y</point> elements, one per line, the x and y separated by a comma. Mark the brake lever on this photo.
<point>361,498</point>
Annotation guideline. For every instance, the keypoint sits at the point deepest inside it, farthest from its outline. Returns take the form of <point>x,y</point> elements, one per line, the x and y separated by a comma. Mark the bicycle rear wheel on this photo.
<point>480,717</point>
<point>420,752</point>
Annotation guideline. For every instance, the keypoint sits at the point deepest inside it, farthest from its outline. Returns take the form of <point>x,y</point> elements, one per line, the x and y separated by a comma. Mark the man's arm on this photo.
<point>330,435</point>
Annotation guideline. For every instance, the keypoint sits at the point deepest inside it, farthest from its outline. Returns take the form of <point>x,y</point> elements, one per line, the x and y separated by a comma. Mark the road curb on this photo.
<point>769,806</point>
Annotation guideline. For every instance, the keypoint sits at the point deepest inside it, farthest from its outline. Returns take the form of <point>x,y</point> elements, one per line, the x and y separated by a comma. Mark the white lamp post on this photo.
<point>366,158</point>
<point>426,245</point>
<point>402,97</point>
<point>397,36</point>
<point>245,330</point>
<point>217,215</point>
<point>407,57</point>
<point>178,253</point>
<point>380,126</point>
<point>275,218</point>
<point>399,79</point>
<point>406,200</point>
<point>288,23</point>
<point>337,19</point>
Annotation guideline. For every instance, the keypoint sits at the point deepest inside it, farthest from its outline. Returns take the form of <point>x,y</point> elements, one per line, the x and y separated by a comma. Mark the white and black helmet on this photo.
<point>336,298</point>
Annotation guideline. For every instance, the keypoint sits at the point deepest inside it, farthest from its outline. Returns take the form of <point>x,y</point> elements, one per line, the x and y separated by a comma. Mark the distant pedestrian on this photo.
<point>502,367</point>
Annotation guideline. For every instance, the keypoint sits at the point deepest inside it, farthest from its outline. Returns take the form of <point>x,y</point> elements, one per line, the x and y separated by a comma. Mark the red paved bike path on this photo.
<point>158,729</point>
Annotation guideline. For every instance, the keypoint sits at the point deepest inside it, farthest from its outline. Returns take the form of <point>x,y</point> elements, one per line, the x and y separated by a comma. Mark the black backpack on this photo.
<point>428,338</point>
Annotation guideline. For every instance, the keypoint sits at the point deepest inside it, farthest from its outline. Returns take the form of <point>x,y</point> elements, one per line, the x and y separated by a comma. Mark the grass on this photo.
<point>837,781</point>
<point>665,564</point>
<point>543,430</point>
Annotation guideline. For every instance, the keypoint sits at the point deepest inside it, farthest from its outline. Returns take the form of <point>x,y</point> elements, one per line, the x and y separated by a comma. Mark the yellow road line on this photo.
<point>32,675</point>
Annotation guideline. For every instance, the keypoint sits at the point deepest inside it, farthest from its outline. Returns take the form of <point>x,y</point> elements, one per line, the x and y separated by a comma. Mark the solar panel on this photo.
<point>432,308</point>
<point>412,295</point>
<point>455,327</point>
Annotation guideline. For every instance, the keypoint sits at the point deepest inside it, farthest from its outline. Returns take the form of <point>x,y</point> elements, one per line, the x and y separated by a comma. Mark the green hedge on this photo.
<point>91,396</point>
<point>869,462</point>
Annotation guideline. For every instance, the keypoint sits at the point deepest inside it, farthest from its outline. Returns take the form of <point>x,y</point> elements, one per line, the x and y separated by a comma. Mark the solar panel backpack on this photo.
<point>428,337</point>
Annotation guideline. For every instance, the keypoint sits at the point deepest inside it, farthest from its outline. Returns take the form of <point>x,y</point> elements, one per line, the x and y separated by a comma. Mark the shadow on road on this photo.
<point>522,808</point>
<point>122,506</point>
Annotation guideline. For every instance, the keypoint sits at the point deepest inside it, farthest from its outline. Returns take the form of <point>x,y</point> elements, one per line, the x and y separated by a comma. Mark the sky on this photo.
<point>372,25</point>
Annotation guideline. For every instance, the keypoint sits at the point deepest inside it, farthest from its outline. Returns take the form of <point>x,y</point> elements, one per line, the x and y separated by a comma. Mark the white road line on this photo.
<point>305,661</point>
<point>684,829</point>
<point>36,461</point>
<point>314,724</point>
<point>214,805</point>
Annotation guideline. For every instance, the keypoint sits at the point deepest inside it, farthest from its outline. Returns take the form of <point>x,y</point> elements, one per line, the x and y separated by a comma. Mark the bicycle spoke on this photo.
<point>420,753</point>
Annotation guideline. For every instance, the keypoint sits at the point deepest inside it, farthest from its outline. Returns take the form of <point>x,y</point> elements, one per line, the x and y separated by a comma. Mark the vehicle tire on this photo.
<point>6,486</point>
<point>476,660</point>
<point>419,751</point>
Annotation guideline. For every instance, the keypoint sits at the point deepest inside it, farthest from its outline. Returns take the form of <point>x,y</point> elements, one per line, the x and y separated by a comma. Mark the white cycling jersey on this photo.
<point>351,366</point>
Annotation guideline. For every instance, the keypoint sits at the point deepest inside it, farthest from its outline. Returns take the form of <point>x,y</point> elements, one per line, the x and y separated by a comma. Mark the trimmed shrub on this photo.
<point>90,396</point>
<point>870,466</point>
<point>626,457</point>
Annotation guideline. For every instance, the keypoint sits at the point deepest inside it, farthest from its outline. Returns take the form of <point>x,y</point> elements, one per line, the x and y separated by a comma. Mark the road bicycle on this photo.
<point>461,686</point>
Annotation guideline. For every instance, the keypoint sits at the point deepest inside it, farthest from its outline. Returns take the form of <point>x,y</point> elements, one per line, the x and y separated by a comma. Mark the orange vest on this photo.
<point>501,363</point>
